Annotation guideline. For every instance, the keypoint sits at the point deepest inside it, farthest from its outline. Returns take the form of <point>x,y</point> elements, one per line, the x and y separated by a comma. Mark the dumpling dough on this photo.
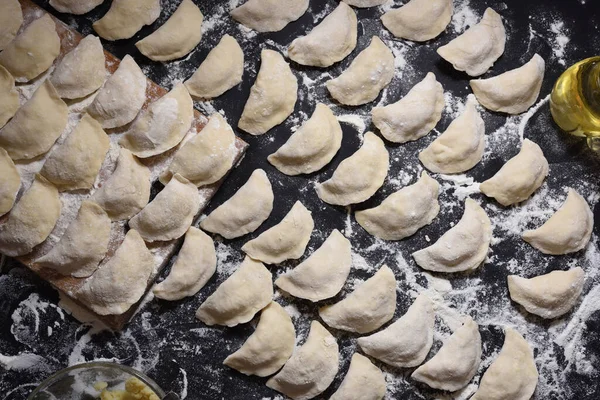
<point>269,347</point>
<point>370,306</point>
<point>36,125</point>
<point>363,381</point>
<point>245,211</point>
<point>31,219</point>
<point>519,177</point>
<point>269,15</point>
<point>11,20</point>
<point>567,231</point>
<point>329,42</point>
<point>162,125</point>
<point>272,97</point>
<point>76,7</point>
<point>367,75</point>
<point>126,17</point>
<point>419,20</point>
<point>9,98</point>
<point>221,70</point>
<point>323,274</point>
<point>312,146</point>
<point>312,367</point>
<point>463,247</point>
<point>169,215</point>
<point>404,212</point>
<point>476,50</point>
<point>513,375</point>
<point>359,176</point>
<point>194,266</point>
<point>83,245</point>
<point>514,91</point>
<point>284,241</point>
<point>248,290</point>
<point>406,342</point>
<point>10,182</point>
<point>365,3</point>
<point>460,147</point>
<point>457,361</point>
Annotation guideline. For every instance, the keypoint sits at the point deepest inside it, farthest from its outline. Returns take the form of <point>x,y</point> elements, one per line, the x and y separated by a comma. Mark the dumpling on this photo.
<point>284,241</point>
<point>463,247</point>
<point>476,50</point>
<point>9,98</point>
<point>567,231</point>
<point>363,381</point>
<point>513,375</point>
<point>457,361</point>
<point>76,7</point>
<point>248,290</point>
<point>365,3</point>
<point>195,264</point>
<point>162,125</point>
<point>312,146</point>
<point>269,15</point>
<point>370,306</point>
<point>406,342</point>
<point>460,147</point>
<point>519,177</point>
<point>221,70</point>
<point>404,212</point>
<point>272,97</point>
<point>329,42</point>
<point>126,17</point>
<point>83,245</point>
<point>323,274</point>
<point>169,215</point>
<point>367,75</point>
<point>269,347</point>
<point>122,96</point>
<point>312,367</point>
<point>10,182</point>
<point>419,20</point>
<point>245,211</point>
<point>359,176</point>
<point>550,295</point>
<point>11,20</point>
<point>31,220</point>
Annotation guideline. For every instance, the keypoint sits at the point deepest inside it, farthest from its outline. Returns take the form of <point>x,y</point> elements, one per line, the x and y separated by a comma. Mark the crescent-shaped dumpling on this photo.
<point>363,381</point>
<point>419,20</point>
<point>269,15</point>
<point>126,17</point>
<point>9,97</point>
<point>463,247</point>
<point>365,3</point>
<point>10,182</point>
<point>248,290</point>
<point>76,7</point>
<point>11,20</point>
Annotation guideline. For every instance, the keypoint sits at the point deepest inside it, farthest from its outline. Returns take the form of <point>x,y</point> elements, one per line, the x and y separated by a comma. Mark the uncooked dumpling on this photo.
<point>365,3</point>
<point>9,98</point>
<point>463,247</point>
<point>419,20</point>
<point>367,75</point>
<point>76,7</point>
<point>269,15</point>
<point>312,146</point>
<point>323,274</point>
<point>10,182</point>
<point>370,306</point>
<point>245,211</point>
<point>126,17</point>
<point>11,20</point>
<point>359,176</point>
<point>272,97</point>
<point>404,212</point>
<point>363,381</point>
<point>329,42</point>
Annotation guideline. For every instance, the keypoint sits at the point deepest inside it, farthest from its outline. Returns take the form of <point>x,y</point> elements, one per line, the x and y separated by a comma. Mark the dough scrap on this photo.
<point>363,381</point>
<point>10,182</point>
<point>365,3</point>
<point>126,17</point>
<point>11,20</point>
<point>269,15</point>
<point>9,97</point>
<point>76,7</point>
<point>419,20</point>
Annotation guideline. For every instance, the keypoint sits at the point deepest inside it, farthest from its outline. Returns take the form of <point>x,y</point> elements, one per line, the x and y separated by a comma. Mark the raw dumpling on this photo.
<point>126,17</point>
<point>567,231</point>
<point>245,211</point>
<point>10,182</point>
<point>83,245</point>
<point>404,212</point>
<point>365,3</point>
<point>419,20</point>
<point>36,125</point>
<point>463,247</point>
<point>363,381</point>
<point>162,125</point>
<point>248,290</point>
<point>11,20</point>
<point>221,70</point>
<point>370,306</point>
<point>476,50</point>
<point>519,177</point>
<point>284,241</point>
<point>169,215</point>
<point>329,42</point>
<point>359,176</point>
<point>76,7</point>
<point>367,75</point>
<point>514,91</point>
<point>269,15</point>
<point>323,274</point>
<point>312,367</point>
<point>9,98</point>
<point>460,147</point>
<point>269,347</point>
<point>31,219</point>
<point>312,146</point>
<point>194,266</point>
<point>550,295</point>
<point>406,342</point>
<point>272,97</point>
